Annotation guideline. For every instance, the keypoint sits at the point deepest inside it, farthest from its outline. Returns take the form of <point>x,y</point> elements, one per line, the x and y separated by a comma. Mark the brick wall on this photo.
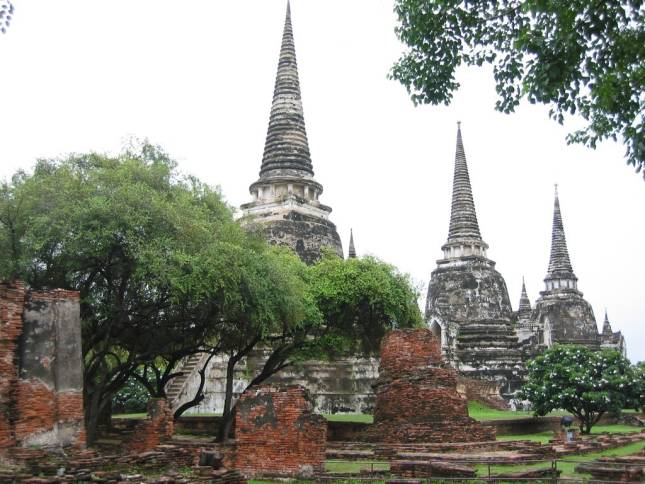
<point>416,395</point>
<point>12,301</point>
<point>277,433</point>
<point>156,429</point>
<point>41,379</point>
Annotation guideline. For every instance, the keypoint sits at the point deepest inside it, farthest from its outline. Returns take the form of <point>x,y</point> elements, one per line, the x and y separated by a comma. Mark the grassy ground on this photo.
<point>544,437</point>
<point>479,411</point>
<point>355,466</point>
<point>567,464</point>
<point>349,417</point>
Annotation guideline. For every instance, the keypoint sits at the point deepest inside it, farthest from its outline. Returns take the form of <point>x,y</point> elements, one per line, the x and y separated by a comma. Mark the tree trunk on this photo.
<point>227,414</point>
<point>105,415</point>
<point>92,414</point>
<point>199,394</point>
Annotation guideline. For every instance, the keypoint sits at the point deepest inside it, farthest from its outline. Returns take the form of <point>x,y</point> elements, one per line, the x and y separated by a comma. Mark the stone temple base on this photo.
<point>416,395</point>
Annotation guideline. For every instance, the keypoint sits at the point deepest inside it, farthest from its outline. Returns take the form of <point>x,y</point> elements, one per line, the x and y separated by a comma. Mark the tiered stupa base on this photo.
<point>416,395</point>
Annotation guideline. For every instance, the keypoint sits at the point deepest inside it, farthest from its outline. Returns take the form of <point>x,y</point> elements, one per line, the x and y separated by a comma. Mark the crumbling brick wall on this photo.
<point>156,429</point>
<point>416,394</point>
<point>41,372</point>
<point>277,433</point>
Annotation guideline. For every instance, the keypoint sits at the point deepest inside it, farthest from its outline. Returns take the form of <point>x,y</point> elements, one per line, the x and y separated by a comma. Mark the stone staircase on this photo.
<point>187,367</point>
<point>489,341</point>
<point>489,350</point>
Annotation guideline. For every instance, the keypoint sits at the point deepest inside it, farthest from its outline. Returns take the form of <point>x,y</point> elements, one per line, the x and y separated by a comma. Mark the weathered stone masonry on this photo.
<point>468,305</point>
<point>41,376</point>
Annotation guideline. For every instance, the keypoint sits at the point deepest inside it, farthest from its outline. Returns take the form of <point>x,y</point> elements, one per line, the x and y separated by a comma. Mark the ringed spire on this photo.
<point>463,217</point>
<point>559,261</point>
<point>525,303</point>
<point>286,149</point>
<point>351,253</point>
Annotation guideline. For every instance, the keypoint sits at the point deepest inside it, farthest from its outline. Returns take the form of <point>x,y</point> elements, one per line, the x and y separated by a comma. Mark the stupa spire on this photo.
<point>463,218</point>
<point>525,303</point>
<point>351,254</point>
<point>559,262</point>
<point>606,325</point>
<point>286,150</point>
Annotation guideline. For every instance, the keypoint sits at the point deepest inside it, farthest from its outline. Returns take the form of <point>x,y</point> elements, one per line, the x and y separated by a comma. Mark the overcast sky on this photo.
<point>197,78</point>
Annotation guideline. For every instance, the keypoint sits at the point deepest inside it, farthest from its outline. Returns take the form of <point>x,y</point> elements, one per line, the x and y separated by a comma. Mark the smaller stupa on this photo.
<point>562,313</point>
<point>416,394</point>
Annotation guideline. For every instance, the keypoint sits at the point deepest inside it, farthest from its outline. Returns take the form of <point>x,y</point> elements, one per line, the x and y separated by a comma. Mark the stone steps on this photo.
<point>176,385</point>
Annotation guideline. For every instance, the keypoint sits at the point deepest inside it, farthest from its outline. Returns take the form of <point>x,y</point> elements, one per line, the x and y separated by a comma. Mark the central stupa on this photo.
<point>286,207</point>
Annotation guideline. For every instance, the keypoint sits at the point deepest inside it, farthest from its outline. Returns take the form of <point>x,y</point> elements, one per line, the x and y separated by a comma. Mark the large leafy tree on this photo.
<point>582,57</point>
<point>584,382</point>
<point>334,308</point>
<point>148,250</point>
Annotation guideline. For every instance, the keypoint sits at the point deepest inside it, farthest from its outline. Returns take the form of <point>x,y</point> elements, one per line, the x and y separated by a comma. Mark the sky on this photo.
<point>196,77</point>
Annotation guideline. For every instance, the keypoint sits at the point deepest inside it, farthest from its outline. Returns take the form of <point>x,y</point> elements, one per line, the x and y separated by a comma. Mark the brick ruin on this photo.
<point>155,430</point>
<point>277,433</point>
<point>416,394</point>
<point>41,372</point>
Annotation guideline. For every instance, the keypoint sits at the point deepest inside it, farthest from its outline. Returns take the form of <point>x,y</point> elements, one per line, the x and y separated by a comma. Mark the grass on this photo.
<point>567,464</point>
<point>355,466</point>
<point>144,415</point>
<point>349,417</point>
<point>544,437</point>
<point>479,411</point>
<point>599,429</point>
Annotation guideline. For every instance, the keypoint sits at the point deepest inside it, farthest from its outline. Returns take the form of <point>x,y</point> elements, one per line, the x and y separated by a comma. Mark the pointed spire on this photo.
<point>606,326</point>
<point>286,146</point>
<point>463,218</point>
<point>525,303</point>
<point>352,250</point>
<point>559,263</point>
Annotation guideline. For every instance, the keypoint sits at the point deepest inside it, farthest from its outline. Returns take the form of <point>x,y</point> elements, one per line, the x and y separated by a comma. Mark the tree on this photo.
<point>585,57</point>
<point>584,382</point>
<point>636,398</point>
<point>6,12</point>
<point>336,308</point>
<point>147,248</point>
<point>270,310</point>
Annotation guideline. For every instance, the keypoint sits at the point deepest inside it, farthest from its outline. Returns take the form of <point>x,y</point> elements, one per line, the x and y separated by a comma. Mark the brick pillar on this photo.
<point>12,300</point>
<point>155,430</point>
<point>277,433</point>
<point>41,368</point>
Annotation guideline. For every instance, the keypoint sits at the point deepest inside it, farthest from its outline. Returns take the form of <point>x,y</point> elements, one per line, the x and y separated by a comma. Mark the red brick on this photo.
<point>416,395</point>
<point>277,433</point>
<point>156,429</point>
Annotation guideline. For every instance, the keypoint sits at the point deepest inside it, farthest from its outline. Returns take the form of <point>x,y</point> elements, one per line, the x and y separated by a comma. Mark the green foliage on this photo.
<point>149,250</point>
<point>585,57</point>
<point>636,398</point>
<point>584,382</point>
<point>361,300</point>
<point>131,398</point>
